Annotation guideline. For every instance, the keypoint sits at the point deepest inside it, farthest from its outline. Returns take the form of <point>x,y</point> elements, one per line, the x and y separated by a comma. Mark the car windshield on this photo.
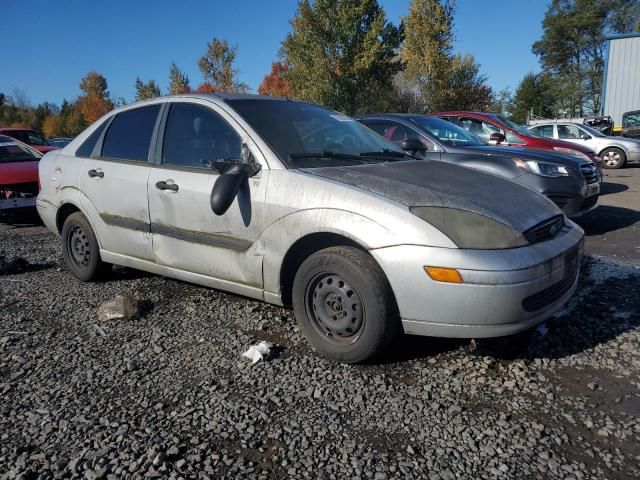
<point>447,132</point>
<point>521,129</point>
<point>11,151</point>
<point>592,131</point>
<point>631,119</point>
<point>309,136</point>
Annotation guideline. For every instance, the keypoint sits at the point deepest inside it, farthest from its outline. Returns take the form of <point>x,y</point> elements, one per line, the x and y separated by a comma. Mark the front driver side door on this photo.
<point>187,235</point>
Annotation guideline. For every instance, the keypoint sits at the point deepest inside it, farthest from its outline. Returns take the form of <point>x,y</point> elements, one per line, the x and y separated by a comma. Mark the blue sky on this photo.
<point>53,44</point>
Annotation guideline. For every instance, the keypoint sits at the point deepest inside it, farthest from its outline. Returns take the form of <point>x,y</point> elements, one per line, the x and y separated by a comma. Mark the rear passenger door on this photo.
<point>113,179</point>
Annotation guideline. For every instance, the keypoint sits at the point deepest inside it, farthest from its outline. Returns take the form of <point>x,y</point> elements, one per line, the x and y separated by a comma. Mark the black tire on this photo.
<point>344,304</point>
<point>613,158</point>
<point>80,249</point>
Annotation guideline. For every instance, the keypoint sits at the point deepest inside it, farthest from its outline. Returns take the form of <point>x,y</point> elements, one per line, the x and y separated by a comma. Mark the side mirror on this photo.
<point>584,136</point>
<point>412,145</point>
<point>497,137</point>
<point>233,174</point>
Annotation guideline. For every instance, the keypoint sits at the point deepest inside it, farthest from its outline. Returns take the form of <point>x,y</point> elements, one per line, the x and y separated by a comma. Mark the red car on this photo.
<point>496,129</point>
<point>28,136</point>
<point>18,175</point>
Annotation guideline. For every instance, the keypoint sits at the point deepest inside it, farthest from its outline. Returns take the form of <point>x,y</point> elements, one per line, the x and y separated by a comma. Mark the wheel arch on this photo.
<point>63,213</point>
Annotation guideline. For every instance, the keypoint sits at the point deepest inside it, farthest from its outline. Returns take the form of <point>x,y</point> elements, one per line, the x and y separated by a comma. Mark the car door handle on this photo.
<point>162,185</point>
<point>96,173</point>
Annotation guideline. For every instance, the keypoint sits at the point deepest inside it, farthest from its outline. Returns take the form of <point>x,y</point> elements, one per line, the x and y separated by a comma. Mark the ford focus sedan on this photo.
<point>296,205</point>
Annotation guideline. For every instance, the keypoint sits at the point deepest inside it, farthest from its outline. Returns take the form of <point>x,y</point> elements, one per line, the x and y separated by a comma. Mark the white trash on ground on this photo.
<point>258,351</point>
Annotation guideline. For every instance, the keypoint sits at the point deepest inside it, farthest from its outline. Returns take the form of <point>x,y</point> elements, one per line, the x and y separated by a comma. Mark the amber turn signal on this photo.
<point>440,274</point>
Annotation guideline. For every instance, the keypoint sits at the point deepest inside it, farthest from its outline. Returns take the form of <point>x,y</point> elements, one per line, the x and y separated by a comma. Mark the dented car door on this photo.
<point>186,234</point>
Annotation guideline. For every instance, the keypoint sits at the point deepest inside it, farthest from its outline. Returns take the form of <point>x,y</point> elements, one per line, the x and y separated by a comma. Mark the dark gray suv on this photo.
<point>570,182</point>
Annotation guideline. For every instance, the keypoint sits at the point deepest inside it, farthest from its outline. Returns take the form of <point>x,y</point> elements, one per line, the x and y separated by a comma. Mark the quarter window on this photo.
<point>396,132</point>
<point>129,135</point>
<point>195,136</point>
<point>87,146</point>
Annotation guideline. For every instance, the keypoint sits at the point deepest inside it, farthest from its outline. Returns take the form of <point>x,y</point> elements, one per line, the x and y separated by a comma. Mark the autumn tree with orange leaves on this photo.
<point>276,83</point>
<point>95,102</point>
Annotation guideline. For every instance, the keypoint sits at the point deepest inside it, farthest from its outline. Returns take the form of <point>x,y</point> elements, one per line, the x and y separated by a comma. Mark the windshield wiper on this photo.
<point>341,156</point>
<point>385,154</point>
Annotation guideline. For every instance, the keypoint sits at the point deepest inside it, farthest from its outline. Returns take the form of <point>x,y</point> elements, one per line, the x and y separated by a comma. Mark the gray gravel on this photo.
<point>167,393</point>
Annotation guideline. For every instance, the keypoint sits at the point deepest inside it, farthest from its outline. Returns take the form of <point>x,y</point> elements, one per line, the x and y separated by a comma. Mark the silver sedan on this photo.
<point>296,205</point>
<point>614,151</point>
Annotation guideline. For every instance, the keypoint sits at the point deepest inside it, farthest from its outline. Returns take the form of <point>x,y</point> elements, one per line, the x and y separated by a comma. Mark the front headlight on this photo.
<point>572,152</point>
<point>544,169</point>
<point>471,230</point>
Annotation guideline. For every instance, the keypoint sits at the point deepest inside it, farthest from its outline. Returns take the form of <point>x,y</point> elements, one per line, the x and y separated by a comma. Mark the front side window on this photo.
<point>195,136</point>
<point>478,127</point>
<point>129,135</point>
<point>448,133</point>
<point>568,132</point>
<point>543,131</point>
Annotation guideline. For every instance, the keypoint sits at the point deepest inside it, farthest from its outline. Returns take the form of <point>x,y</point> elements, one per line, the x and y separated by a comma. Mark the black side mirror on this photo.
<point>412,145</point>
<point>234,174</point>
<point>497,137</point>
<point>584,136</point>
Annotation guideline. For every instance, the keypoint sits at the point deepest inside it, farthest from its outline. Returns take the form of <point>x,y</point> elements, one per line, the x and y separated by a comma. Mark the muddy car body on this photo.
<point>293,204</point>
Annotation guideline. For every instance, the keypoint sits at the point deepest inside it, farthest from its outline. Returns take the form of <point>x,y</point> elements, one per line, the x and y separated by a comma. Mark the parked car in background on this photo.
<point>497,129</point>
<point>570,182</point>
<point>313,210</point>
<point>58,142</point>
<point>631,124</point>
<point>28,136</point>
<point>18,176</point>
<point>614,151</point>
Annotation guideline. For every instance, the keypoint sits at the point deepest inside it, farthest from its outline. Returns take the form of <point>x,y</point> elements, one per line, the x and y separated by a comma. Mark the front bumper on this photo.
<point>504,291</point>
<point>9,204</point>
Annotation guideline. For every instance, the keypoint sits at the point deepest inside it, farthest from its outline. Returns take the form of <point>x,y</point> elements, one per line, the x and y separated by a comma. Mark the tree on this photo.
<point>178,81</point>
<point>145,91</point>
<point>624,16</point>
<point>205,87</point>
<point>276,83</point>
<point>467,87</point>
<point>95,102</point>
<point>217,67</point>
<point>535,94</point>
<point>339,51</point>
<point>53,126</point>
<point>427,50</point>
<point>572,50</point>
<point>502,102</point>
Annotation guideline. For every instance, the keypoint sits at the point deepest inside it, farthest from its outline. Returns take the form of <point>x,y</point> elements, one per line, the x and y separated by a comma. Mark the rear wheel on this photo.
<point>344,304</point>
<point>613,158</point>
<point>80,249</point>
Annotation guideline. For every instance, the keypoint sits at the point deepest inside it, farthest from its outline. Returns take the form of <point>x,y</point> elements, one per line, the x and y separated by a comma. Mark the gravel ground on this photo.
<point>167,394</point>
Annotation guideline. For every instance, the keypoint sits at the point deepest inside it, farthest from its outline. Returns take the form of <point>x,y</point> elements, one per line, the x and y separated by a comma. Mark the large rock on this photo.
<point>122,307</point>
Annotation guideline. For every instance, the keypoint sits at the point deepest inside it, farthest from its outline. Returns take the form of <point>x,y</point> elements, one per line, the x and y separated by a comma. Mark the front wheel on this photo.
<point>80,249</point>
<point>613,158</point>
<point>344,304</point>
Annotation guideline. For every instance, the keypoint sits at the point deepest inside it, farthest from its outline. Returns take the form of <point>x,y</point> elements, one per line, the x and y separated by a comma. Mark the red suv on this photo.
<point>496,129</point>
<point>28,136</point>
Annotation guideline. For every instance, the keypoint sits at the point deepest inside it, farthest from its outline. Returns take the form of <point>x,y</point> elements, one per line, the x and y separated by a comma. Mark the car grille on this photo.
<point>557,290</point>
<point>589,172</point>
<point>589,202</point>
<point>544,230</point>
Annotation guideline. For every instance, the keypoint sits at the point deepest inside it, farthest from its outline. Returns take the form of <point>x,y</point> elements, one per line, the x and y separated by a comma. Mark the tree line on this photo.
<point>347,55</point>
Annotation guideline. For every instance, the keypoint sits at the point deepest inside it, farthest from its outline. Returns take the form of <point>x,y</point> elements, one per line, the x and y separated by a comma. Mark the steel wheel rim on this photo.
<point>79,247</point>
<point>611,159</point>
<point>335,309</point>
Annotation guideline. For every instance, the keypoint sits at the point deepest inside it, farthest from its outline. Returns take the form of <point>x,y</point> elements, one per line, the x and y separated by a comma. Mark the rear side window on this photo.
<point>129,135</point>
<point>544,131</point>
<point>87,147</point>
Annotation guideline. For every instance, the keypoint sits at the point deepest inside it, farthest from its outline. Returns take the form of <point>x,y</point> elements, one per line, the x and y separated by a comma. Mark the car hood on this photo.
<point>429,183</point>
<point>18,172</point>
<point>529,154</point>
